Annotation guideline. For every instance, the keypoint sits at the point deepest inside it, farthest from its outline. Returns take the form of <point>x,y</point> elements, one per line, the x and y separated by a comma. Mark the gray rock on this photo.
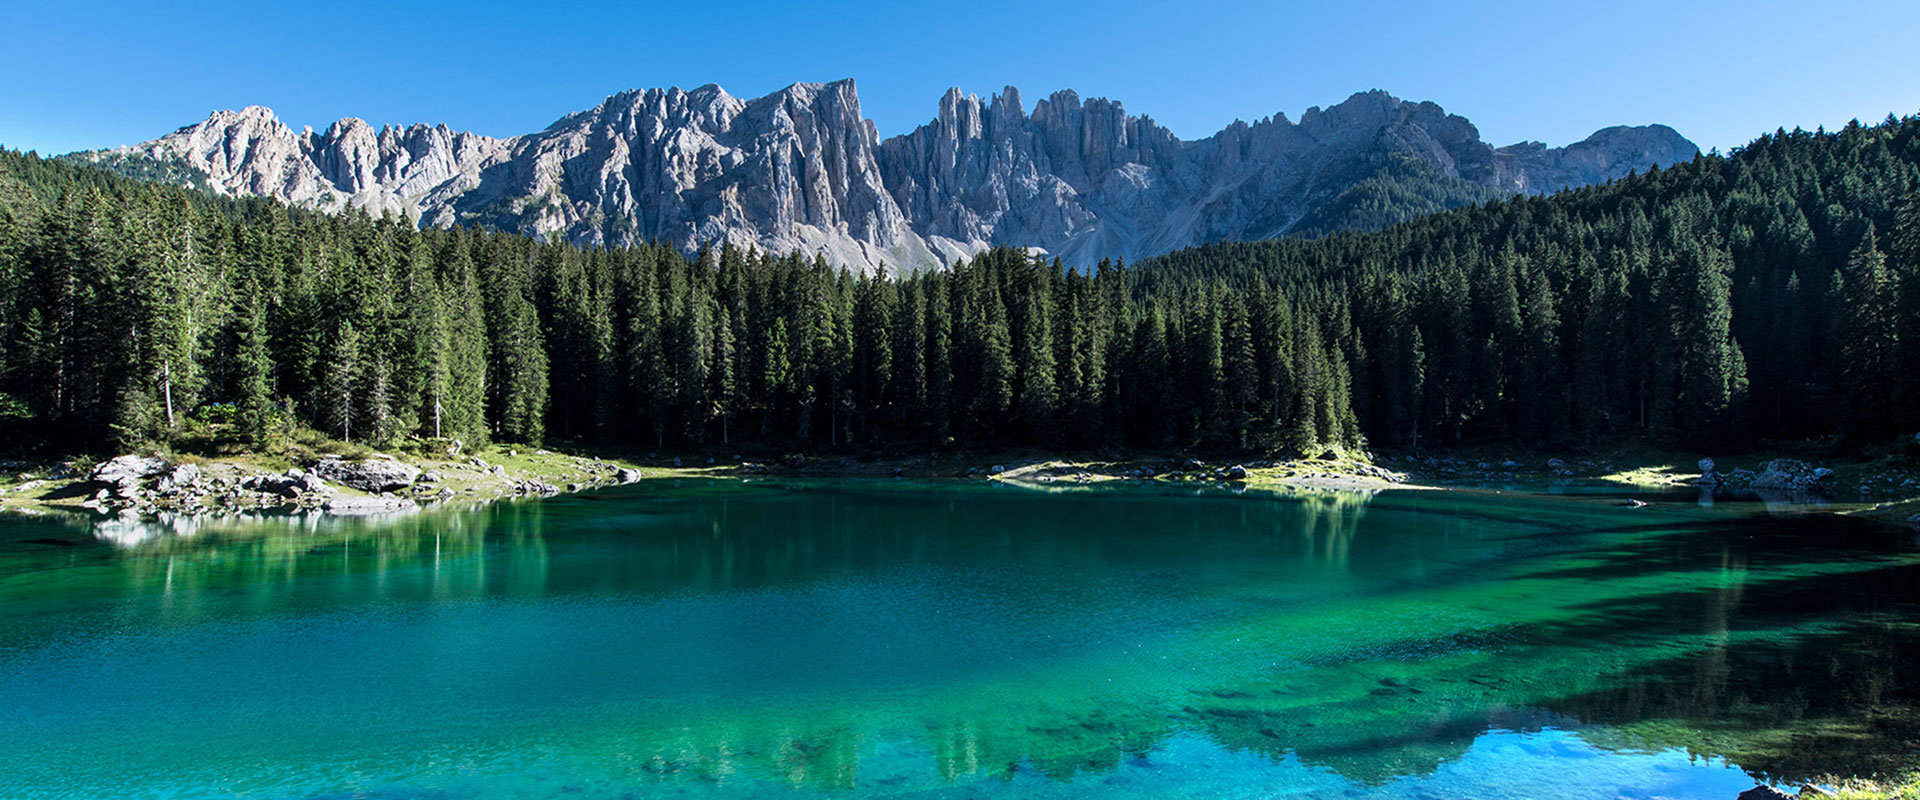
<point>1764,793</point>
<point>1822,473</point>
<point>1081,179</point>
<point>278,485</point>
<point>1784,473</point>
<point>430,477</point>
<point>1706,466</point>
<point>1556,464</point>
<point>308,483</point>
<point>375,475</point>
<point>180,478</point>
<point>122,469</point>
<point>1236,473</point>
<point>997,469</point>
<point>627,475</point>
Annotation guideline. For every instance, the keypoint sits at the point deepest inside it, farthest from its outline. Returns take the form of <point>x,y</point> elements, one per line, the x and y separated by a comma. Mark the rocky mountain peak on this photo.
<point>802,168</point>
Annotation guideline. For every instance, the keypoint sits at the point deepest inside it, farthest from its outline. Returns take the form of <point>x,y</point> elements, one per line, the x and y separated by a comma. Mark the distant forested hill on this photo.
<point>1768,292</point>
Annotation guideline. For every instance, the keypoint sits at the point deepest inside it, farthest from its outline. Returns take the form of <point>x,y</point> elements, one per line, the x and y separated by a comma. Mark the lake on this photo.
<point>946,639</point>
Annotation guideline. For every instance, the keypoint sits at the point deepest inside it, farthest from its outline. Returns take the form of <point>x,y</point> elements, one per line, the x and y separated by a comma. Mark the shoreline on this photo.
<point>1887,493</point>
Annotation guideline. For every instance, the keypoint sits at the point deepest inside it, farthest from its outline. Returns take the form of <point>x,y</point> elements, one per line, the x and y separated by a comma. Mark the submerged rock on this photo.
<point>367,505</point>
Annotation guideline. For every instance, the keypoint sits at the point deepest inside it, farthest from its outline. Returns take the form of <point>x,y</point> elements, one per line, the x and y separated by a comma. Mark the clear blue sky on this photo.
<point>101,74</point>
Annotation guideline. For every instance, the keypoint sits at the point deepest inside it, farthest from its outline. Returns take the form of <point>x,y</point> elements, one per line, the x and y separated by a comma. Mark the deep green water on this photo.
<point>884,639</point>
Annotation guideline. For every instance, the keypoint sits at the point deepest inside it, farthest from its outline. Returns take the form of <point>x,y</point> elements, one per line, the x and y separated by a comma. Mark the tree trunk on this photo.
<point>166,388</point>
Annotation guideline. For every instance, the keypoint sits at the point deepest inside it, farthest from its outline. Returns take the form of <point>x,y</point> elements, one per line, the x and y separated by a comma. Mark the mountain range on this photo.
<point>803,169</point>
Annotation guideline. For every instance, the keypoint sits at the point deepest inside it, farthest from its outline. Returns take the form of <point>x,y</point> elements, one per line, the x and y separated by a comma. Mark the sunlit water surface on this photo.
<point>891,639</point>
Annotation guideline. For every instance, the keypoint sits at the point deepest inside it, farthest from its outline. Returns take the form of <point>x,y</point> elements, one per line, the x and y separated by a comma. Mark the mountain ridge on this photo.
<point>803,169</point>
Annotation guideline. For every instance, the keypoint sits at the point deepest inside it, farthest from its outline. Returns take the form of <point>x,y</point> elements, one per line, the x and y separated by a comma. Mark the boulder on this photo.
<point>430,477</point>
<point>627,475</point>
<point>127,469</point>
<point>1193,465</point>
<point>1784,473</point>
<point>1706,466</point>
<point>794,460</point>
<point>180,477</point>
<point>308,482</point>
<point>1556,464</point>
<point>1236,473</point>
<point>1764,793</point>
<point>280,485</point>
<point>1822,473</point>
<point>368,476</point>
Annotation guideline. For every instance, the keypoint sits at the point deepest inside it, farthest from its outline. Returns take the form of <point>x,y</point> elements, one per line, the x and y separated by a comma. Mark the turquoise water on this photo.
<point>892,639</point>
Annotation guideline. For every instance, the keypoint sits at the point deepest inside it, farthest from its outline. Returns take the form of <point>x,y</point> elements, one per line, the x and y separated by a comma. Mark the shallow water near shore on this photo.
<point>946,639</point>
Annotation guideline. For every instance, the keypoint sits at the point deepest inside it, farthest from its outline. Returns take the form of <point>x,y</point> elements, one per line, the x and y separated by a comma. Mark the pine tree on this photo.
<point>1870,347</point>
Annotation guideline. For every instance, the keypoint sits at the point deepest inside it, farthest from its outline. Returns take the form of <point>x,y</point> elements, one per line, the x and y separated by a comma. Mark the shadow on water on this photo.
<point>1787,647</point>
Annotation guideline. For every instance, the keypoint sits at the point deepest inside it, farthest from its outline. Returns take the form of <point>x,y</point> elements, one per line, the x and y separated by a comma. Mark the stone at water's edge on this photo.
<point>368,476</point>
<point>1764,793</point>
<point>117,471</point>
<point>180,477</point>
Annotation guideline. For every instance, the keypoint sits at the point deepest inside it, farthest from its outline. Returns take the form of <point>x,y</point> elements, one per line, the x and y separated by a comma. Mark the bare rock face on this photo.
<point>802,169</point>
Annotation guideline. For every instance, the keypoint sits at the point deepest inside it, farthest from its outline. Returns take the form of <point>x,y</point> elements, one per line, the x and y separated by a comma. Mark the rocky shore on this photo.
<point>373,483</point>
